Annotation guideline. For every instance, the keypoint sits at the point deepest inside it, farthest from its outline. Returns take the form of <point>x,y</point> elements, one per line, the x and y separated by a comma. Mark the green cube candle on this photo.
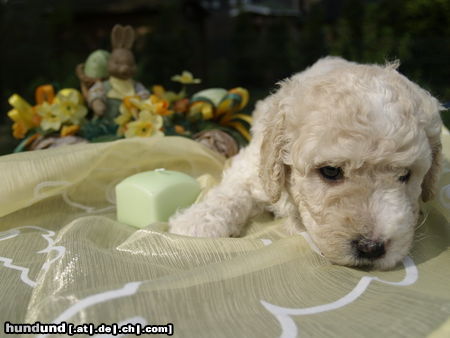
<point>154,196</point>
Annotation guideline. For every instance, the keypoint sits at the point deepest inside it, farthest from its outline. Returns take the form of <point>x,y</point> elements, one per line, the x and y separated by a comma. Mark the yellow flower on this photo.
<point>49,113</point>
<point>69,130</point>
<point>23,115</point>
<point>147,125</point>
<point>19,129</point>
<point>160,106</point>
<point>129,110</point>
<point>159,91</point>
<point>52,117</point>
<point>44,93</point>
<point>70,103</point>
<point>133,105</point>
<point>168,96</point>
<point>185,78</point>
<point>140,117</point>
<point>122,121</point>
<point>124,117</point>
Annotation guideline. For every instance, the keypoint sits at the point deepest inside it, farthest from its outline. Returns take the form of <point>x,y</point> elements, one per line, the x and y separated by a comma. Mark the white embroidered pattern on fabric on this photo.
<point>290,329</point>
<point>266,241</point>
<point>88,209</point>
<point>24,275</point>
<point>127,290</point>
<point>39,195</point>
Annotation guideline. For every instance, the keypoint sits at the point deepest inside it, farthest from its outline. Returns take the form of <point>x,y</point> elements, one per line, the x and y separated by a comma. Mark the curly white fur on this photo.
<point>370,121</point>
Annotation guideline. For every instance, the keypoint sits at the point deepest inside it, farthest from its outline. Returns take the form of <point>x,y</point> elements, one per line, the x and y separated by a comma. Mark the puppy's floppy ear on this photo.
<point>430,109</point>
<point>429,184</point>
<point>271,166</point>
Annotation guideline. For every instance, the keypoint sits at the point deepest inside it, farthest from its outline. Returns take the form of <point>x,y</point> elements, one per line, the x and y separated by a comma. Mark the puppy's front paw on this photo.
<point>195,224</point>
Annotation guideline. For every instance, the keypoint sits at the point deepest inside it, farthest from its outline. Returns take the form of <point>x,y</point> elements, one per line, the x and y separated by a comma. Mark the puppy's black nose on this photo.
<point>367,248</point>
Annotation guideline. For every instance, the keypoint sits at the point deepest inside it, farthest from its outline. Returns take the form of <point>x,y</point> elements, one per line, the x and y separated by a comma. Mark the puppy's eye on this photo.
<point>331,173</point>
<point>405,178</point>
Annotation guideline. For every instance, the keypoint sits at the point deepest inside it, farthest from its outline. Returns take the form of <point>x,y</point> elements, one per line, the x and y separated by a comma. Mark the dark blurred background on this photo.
<point>227,43</point>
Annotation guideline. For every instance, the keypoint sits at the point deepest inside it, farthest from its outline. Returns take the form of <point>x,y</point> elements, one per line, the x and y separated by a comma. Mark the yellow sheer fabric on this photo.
<point>64,257</point>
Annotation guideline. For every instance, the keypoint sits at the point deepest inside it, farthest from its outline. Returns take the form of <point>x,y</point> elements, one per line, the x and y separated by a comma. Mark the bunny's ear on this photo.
<point>129,36</point>
<point>117,36</point>
<point>122,37</point>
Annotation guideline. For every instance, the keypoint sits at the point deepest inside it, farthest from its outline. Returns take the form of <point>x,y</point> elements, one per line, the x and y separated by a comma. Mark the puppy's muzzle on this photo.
<point>368,249</point>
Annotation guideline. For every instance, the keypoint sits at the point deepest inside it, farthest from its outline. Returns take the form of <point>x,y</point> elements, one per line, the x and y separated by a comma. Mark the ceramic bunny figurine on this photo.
<point>105,97</point>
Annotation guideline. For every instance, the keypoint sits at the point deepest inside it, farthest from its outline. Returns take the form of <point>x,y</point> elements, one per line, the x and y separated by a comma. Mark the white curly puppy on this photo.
<point>345,150</point>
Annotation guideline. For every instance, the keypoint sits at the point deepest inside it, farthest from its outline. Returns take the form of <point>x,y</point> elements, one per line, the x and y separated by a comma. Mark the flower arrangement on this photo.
<point>163,113</point>
<point>179,114</point>
<point>61,114</point>
<point>112,105</point>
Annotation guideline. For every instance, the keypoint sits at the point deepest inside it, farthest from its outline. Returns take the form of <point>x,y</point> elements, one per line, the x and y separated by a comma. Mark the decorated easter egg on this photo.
<point>96,65</point>
<point>213,95</point>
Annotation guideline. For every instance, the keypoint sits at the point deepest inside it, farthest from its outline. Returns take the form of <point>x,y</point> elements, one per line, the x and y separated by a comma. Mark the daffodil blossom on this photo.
<point>136,113</point>
<point>185,78</point>
<point>168,96</point>
<point>52,118</point>
<point>125,115</point>
<point>70,103</point>
<point>129,111</point>
<point>146,125</point>
<point>23,115</point>
<point>19,129</point>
